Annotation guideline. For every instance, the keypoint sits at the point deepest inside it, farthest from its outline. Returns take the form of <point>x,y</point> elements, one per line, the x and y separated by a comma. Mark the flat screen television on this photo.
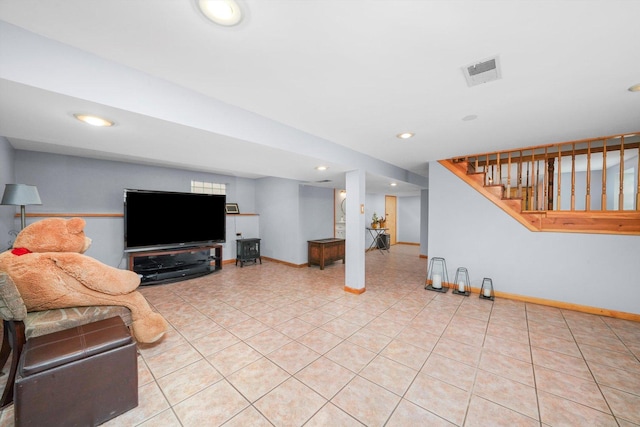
<point>165,220</point>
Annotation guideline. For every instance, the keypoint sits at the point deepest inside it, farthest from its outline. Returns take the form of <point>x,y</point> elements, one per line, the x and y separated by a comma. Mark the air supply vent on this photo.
<point>484,71</point>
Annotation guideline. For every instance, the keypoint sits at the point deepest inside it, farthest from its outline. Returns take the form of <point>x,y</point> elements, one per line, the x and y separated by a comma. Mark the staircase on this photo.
<point>565,221</point>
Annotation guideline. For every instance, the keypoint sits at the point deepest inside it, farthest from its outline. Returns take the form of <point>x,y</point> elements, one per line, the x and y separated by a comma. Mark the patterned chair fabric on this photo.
<point>11,305</point>
<point>45,322</point>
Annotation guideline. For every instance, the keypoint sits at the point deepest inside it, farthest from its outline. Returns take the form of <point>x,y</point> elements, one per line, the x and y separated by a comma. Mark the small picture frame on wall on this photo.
<point>231,208</point>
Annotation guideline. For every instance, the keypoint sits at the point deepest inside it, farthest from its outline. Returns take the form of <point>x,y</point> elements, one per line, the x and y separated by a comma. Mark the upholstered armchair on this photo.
<point>20,325</point>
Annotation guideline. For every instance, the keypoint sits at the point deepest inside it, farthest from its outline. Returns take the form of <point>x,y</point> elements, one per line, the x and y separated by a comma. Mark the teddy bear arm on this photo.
<point>95,275</point>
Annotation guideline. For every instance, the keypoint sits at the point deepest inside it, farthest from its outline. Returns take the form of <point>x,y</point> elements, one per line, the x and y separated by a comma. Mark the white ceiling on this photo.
<point>323,79</point>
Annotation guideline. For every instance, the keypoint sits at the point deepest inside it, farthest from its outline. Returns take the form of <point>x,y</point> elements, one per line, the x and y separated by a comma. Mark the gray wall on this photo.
<point>408,219</point>
<point>469,231</point>
<point>8,224</point>
<point>70,184</point>
<point>424,222</point>
<point>277,203</point>
<point>316,211</point>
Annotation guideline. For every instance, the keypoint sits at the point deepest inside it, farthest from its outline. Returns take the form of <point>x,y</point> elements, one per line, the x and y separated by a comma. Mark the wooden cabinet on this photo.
<point>324,251</point>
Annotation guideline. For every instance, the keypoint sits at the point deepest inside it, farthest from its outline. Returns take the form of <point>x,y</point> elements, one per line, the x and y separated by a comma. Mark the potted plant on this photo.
<point>375,220</point>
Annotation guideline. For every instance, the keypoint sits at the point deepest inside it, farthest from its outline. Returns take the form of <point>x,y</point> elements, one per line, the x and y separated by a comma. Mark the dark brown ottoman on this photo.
<point>82,376</point>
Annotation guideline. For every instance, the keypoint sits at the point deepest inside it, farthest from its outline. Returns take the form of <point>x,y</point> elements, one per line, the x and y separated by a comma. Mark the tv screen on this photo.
<point>163,220</point>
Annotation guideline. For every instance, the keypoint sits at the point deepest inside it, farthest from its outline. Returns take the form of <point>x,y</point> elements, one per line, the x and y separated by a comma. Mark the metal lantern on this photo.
<point>437,278</point>
<point>461,285</point>
<point>486,290</point>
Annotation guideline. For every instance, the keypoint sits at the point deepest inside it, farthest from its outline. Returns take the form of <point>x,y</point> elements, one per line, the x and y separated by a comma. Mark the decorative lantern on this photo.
<point>461,285</point>
<point>437,275</point>
<point>486,290</point>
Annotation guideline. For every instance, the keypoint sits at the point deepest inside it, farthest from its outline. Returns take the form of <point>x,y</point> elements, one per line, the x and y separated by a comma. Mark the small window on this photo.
<point>208,187</point>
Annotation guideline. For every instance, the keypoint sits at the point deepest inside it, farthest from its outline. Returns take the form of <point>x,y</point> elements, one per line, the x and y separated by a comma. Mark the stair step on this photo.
<point>514,204</point>
<point>477,177</point>
<point>496,190</point>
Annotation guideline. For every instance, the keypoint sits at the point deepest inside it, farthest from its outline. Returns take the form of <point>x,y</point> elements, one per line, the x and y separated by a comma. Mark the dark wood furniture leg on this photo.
<point>14,337</point>
<point>6,347</point>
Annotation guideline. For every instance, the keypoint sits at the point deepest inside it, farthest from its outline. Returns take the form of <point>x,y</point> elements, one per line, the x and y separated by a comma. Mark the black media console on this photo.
<point>172,265</point>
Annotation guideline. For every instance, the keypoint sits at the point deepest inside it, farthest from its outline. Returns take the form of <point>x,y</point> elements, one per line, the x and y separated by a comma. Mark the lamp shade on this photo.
<point>20,195</point>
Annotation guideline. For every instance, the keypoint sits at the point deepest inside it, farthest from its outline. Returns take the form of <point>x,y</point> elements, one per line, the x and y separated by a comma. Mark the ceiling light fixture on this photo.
<point>93,120</point>
<point>393,184</point>
<point>635,88</point>
<point>405,135</point>
<point>222,12</point>
<point>321,168</point>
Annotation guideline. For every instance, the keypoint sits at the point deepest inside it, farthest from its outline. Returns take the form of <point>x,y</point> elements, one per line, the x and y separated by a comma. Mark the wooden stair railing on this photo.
<point>527,184</point>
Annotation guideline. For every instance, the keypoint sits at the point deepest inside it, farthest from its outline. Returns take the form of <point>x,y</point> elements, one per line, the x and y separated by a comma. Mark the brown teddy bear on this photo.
<point>50,271</point>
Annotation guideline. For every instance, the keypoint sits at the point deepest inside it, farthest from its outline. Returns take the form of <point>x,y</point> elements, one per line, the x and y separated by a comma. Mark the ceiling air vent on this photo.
<point>485,71</point>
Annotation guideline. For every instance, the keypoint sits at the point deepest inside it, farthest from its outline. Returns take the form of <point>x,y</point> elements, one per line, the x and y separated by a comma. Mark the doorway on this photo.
<point>390,209</point>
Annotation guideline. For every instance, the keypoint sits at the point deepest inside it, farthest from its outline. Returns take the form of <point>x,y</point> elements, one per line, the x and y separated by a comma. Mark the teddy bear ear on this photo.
<point>76,225</point>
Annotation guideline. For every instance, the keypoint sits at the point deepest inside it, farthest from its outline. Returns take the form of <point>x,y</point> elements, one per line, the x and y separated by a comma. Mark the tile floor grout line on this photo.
<point>595,380</point>
<point>533,365</point>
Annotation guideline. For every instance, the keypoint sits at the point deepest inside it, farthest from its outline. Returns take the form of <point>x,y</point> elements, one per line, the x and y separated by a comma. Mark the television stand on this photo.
<point>171,265</point>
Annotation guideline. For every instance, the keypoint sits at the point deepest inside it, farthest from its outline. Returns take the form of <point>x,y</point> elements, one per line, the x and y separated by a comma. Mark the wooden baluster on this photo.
<point>499,169</point>
<point>559,205</point>
<point>587,201</point>
<point>603,198</point>
<point>493,174</point>
<point>550,172</point>
<point>486,171</point>
<point>532,190</point>
<point>537,190</point>
<point>508,189</point>
<point>573,177</point>
<point>519,192</point>
<point>476,165</point>
<point>621,196</point>
<point>526,190</point>
<point>545,177</point>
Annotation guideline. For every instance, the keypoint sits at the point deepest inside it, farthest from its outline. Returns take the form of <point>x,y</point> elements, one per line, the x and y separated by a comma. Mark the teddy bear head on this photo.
<point>54,235</point>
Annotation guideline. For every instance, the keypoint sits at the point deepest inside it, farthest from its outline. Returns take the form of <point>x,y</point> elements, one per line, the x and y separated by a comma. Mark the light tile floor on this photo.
<point>271,344</point>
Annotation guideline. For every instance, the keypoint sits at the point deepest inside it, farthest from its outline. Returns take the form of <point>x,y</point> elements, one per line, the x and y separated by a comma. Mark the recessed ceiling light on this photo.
<point>469,118</point>
<point>635,88</point>
<point>93,120</point>
<point>321,168</point>
<point>393,184</point>
<point>405,135</point>
<point>223,12</point>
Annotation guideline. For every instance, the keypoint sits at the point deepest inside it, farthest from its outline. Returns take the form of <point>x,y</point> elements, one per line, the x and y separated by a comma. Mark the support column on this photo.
<point>355,237</point>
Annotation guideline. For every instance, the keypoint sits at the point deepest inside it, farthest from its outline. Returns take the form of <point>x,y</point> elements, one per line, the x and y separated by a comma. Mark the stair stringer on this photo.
<point>513,207</point>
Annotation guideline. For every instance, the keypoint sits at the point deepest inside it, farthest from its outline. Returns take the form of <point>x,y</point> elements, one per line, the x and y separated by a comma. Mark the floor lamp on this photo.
<point>21,195</point>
